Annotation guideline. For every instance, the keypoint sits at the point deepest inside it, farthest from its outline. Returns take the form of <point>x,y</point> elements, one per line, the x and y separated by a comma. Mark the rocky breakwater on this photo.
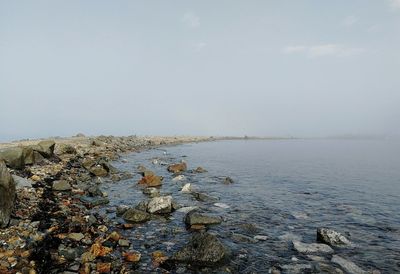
<point>49,192</point>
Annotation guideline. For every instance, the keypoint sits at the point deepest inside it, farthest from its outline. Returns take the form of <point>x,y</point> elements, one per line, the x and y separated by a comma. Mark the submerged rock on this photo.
<point>151,180</point>
<point>331,237</point>
<point>177,168</point>
<point>7,195</point>
<point>187,188</point>
<point>228,181</point>
<point>202,197</point>
<point>179,178</point>
<point>199,170</point>
<point>134,215</point>
<point>348,266</point>
<point>160,205</point>
<point>151,191</point>
<point>311,248</point>
<point>203,249</point>
<point>196,218</point>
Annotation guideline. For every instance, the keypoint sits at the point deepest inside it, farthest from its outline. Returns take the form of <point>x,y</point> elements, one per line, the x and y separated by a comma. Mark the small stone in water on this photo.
<point>261,238</point>
<point>124,243</point>
<point>221,205</point>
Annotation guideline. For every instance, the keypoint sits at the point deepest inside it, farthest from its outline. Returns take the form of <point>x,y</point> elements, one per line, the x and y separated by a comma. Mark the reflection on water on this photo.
<point>284,190</point>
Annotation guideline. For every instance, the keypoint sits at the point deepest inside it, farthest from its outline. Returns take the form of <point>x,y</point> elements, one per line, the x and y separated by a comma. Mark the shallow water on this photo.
<point>287,189</point>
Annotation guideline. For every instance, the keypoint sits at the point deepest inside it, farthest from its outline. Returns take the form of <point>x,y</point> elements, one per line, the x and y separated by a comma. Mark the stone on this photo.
<point>199,170</point>
<point>103,267</point>
<point>347,266</point>
<point>121,209</point>
<point>228,181</point>
<point>187,188</point>
<point>261,237</point>
<point>203,249</point>
<point>202,197</point>
<point>7,194</point>
<point>132,257</point>
<point>151,180</point>
<point>160,205</point>
<point>196,218</point>
<point>98,170</point>
<point>17,157</point>
<point>61,185</point>
<point>297,268</point>
<point>311,248</point>
<point>179,178</point>
<point>76,236</point>
<point>46,148</point>
<point>151,191</point>
<point>331,237</point>
<point>21,182</point>
<point>177,168</point>
<point>240,238</point>
<point>124,243</point>
<point>136,216</point>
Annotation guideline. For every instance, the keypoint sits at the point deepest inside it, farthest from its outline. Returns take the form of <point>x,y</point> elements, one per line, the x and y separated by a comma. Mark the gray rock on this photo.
<point>311,248</point>
<point>134,215</point>
<point>240,238</point>
<point>17,157</point>
<point>151,191</point>
<point>331,237</point>
<point>203,249</point>
<point>94,201</point>
<point>7,194</point>
<point>124,243</point>
<point>160,205</point>
<point>94,191</point>
<point>347,266</point>
<point>61,185</point>
<point>296,268</point>
<point>121,209</point>
<point>196,218</point>
<point>21,182</point>
<point>203,197</point>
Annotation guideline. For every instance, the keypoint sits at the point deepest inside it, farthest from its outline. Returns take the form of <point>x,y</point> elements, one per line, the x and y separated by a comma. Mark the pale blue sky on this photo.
<point>298,68</point>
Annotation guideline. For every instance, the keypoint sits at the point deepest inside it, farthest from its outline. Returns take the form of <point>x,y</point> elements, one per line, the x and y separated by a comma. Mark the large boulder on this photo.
<point>331,237</point>
<point>195,218</point>
<point>7,194</point>
<point>46,148</point>
<point>134,215</point>
<point>203,249</point>
<point>177,168</point>
<point>347,266</point>
<point>17,157</point>
<point>160,205</point>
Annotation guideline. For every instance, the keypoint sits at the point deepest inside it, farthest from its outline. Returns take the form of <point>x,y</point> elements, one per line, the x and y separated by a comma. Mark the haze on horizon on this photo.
<point>265,68</point>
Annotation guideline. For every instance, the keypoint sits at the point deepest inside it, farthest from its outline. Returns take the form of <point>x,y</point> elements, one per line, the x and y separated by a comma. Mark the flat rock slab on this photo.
<point>347,266</point>
<point>196,218</point>
<point>312,248</point>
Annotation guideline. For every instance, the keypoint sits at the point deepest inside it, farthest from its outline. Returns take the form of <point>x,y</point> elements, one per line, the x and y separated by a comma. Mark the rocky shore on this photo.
<point>48,190</point>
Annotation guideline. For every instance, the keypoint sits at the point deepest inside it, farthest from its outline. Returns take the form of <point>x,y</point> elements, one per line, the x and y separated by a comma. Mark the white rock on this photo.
<point>186,209</point>
<point>311,248</point>
<point>221,205</point>
<point>187,188</point>
<point>160,205</point>
<point>179,178</point>
<point>261,238</point>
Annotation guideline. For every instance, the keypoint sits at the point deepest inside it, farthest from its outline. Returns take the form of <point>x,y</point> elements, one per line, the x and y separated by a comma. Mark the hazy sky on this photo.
<point>301,68</point>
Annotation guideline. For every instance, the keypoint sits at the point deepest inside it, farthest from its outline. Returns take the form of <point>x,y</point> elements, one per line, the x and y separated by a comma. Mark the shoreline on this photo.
<point>56,195</point>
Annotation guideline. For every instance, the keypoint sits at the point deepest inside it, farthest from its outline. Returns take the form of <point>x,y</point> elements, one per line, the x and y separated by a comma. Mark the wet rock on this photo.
<point>103,267</point>
<point>94,191</point>
<point>187,188</point>
<point>261,238</point>
<point>61,185</point>
<point>311,248</point>
<point>132,257</point>
<point>7,194</point>
<point>228,181</point>
<point>124,243</point>
<point>160,205</point>
<point>21,182</point>
<point>222,205</point>
<point>196,218</point>
<point>121,209</point>
<point>98,170</point>
<point>17,157</point>
<point>240,238</point>
<point>202,197</point>
<point>203,249</point>
<point>347,266</point>
<point>134,215</point>
<point>94,201</point>
<point>199,170</point>
<point>297,268</point>
<point>177,168</point>
<point>76,236</point>
<point>331,237</point>
<point>151,191</point>
<point>151,180</point>
<point>179,178</point>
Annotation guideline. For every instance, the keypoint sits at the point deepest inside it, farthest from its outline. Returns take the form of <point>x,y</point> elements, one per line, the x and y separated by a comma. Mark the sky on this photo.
<point>305,68</point>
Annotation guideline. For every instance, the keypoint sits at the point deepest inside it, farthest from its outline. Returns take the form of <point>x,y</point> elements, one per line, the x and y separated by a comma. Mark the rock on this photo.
<point>203,249</point>
<point>196,218</point>
<point>151,191</point>
<point>7,195</point>
<point>222,205</point>
<point>348,266</point>
<point>240,238</point>
<point>228,181</point>
<point>331,237</point>
<point>160,205</point>
<point>132,257</point>
<point>151,180</point>
<point>124,243</point>
<point>311,248</point>
<point>94,201</point>
<point>136,216</point>
<point>187,209</point>
<point>61,185</point>
<point>103,267</point>
<point>261,238</point>
<point>17,157</point>
<point>179,178</point>
<point>94,191</point>
<point>66,149</point>
<point>202,197</point>
<point>76,236</point>
<point>121,209</point>
<point>98,170</point>
<point>199,170</point>
<point>46,148</point>
<point>187,188</point>
<point>297,268</point>
<point>177,168</point>
<point>21,182</point>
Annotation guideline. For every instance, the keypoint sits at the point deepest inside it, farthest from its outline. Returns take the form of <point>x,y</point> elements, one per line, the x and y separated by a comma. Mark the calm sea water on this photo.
<point>284,188</point>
